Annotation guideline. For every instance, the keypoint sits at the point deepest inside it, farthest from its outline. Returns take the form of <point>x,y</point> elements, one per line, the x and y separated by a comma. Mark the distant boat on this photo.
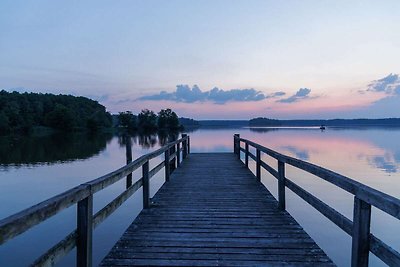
<point>322,127</point>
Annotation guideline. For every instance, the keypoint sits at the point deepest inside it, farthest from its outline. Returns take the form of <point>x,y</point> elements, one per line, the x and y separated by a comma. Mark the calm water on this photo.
<point>34,169</point>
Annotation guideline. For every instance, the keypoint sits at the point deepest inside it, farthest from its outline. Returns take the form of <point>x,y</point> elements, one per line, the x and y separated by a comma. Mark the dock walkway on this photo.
<point>214,212</point>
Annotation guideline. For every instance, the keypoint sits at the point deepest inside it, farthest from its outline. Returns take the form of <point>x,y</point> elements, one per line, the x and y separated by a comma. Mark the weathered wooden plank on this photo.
<point>387,254</point>
<point>102,214</point>
<point>58,251</point>
<point>334,216</point>
<point>22,221</point>
<point>156,169</point>
<point>271,170</point>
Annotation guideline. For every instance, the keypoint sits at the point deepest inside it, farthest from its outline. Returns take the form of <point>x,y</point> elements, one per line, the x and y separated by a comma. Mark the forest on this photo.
<point>20,112</point>
<point>148,120</point>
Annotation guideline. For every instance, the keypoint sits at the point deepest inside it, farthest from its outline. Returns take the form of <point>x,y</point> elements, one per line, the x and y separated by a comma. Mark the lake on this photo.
<point>33,169</point>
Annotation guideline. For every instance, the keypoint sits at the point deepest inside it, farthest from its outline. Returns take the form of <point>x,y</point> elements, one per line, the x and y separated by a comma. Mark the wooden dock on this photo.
<point>213,212</point>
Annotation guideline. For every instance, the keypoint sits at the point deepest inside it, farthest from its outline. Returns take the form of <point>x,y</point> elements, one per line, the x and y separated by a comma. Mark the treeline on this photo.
<point>148,120</point>
<point>333,122</point>
<point>20,112</point>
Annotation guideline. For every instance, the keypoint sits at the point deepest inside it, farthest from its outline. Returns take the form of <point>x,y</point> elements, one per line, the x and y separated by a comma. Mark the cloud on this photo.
<point>184,93</point>
<point>302,93</point>
<point>388,85</point>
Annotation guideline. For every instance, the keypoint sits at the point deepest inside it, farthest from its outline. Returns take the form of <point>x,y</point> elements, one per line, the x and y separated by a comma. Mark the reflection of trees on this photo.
<point>149,139</point>
<point>50,148</point>
<point>167,136</point>
<point>263,130</point>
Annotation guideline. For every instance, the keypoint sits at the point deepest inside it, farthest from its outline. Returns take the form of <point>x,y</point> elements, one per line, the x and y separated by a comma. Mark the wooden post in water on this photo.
<point>146,185</point>
<point>246,155</point>
<point>178,155</point>
<point>185,145</point>
<point>85,232</point>
<point>281,185</point>
<point>361,230</point>
<point>167,169</point>
<point>258,165</point>
<point>128,145</point>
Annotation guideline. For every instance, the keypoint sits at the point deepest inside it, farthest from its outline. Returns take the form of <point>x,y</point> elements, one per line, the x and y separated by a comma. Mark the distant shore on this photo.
<point>265,122</point>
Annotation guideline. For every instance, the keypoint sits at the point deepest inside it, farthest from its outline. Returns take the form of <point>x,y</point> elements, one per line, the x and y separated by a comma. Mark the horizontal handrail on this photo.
<point>20,222</point>
<point>365,197</point>
<point>383,201</point>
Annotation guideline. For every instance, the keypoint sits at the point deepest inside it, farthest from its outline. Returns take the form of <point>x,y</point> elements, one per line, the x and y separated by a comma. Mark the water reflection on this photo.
<point>302,154</point>
<point>370,156</point>
<point>149,139</point>
<point>50,149</point>
<point>387,163</point>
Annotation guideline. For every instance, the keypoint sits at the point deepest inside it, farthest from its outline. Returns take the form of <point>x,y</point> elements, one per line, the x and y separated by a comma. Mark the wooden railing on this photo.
<point>364,197</point>
<point>82,195</point>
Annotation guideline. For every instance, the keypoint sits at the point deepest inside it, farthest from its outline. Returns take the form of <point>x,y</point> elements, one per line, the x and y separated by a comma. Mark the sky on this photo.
<point>209,59</point>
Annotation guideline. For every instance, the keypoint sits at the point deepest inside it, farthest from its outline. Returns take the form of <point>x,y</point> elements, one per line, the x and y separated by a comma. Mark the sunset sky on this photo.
<point>209,59</point>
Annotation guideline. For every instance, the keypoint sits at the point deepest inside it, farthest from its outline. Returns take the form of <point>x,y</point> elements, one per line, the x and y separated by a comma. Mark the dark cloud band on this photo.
<point>186,94</point>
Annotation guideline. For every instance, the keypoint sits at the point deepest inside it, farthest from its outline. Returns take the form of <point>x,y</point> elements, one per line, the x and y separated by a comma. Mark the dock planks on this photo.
<point>213,212</point>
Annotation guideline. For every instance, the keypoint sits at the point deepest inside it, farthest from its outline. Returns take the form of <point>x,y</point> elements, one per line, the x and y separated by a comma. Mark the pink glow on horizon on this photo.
<point>313,107</point>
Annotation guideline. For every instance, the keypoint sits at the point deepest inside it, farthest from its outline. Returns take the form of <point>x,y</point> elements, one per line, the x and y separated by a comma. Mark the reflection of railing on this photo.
<point>83,195</point>
<point>364,197</point>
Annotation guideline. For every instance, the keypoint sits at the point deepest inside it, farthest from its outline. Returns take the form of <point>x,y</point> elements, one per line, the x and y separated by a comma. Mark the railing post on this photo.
<point>172,162</point>
<point>167,169</point>
<point>281,185</point>
<point>188,145</point>
<point>361,230</point>
<point>236,145</point>
<point>128,159</point>
<point>178,155</point>
<point>85,232</point>
<point>146,185</point>
<point>246,155</point>
<point>184,144</point>
<point>258,164</point>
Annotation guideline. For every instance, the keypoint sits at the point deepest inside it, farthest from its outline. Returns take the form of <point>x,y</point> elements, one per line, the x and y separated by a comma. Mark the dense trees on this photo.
<point>167,119</point>
<point>127,120</point>
<point>20,112</point>
<point>148,120</point>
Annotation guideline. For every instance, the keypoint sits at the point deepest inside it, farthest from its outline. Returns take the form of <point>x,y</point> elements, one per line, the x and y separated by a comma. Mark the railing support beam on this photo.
<point>172,149</point>
<point>167,166</point>
<point>258,165</point>
<point>128,144</point>
<point>85,232</point>
<point>178,155</point>
<point>185,146</point>
<point>361,231</point>
<point>146,185</point>
<point>246,155</point>
<point>236,145</point>
<point>281,186</point>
